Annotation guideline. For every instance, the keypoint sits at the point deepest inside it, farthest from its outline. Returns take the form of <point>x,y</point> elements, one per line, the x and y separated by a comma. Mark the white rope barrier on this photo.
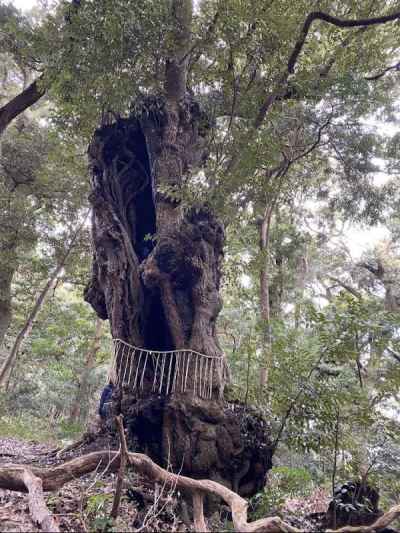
<point>169,371</point>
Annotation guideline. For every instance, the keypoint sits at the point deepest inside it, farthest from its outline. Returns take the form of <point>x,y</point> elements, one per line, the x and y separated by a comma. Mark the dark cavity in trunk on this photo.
<point>159,288</point>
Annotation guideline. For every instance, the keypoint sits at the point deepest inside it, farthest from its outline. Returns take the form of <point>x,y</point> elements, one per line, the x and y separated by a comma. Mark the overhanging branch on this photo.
<point>385,71</point>
<point>340,23</point>
<point>20,103</point>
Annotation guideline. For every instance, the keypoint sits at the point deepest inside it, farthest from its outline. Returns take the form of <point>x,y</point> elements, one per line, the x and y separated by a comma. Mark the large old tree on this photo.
<point>156,277</point>
<point>192,104</point>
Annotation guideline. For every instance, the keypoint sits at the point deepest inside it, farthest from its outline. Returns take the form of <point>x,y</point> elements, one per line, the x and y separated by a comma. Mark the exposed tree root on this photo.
<point>37,506</point>
<point>19,478</point>
<point>58,452</point>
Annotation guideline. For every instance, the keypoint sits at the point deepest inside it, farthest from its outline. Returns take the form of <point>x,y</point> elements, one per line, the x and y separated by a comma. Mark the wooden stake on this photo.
<point>122,466</point>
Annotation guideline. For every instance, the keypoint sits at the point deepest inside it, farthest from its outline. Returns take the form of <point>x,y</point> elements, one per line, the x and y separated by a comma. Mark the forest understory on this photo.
<point>94,488</point>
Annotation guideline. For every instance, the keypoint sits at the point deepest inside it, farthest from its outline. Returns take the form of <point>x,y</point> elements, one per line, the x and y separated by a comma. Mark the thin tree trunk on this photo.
<point>301,272</point>
<point>6,276</point>
<point>8,249</point>
<point>265,310</point>
<point>336,452</point>
<point>82,393</point>
<point>28,325</point>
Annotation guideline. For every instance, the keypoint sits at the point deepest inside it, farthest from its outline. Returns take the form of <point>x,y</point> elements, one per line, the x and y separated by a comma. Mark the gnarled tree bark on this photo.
<point>158,284</point>
<point>156,276</point>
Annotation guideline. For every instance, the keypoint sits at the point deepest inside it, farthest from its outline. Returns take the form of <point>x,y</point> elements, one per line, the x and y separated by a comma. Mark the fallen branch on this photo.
<point>11,478</point>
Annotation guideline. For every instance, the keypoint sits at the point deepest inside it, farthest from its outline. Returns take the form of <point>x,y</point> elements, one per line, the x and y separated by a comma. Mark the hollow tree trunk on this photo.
<point>156,275</point>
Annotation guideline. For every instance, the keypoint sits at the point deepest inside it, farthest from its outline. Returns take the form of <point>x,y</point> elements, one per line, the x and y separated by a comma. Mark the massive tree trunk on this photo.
<point>156,276</point>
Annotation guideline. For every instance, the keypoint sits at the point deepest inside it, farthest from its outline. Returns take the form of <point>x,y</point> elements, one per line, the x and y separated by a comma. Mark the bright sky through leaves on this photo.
<point>24,4</point>
<point>357,238</point>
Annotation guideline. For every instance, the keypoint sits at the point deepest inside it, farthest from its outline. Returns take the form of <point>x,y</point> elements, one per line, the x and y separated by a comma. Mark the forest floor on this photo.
<point>85,503</point>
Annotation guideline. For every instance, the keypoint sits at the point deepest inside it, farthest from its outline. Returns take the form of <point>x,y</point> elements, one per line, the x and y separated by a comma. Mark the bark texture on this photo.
<point>156,277</point>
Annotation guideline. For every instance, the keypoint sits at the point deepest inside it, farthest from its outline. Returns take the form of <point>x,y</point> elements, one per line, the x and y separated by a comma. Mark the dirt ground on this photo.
<point>85,504</point>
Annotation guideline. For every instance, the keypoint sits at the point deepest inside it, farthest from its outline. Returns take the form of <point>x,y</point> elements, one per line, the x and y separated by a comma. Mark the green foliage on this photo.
<point>97,512</point>
<point>25,426</point>
<point>46,382</point>
<point>283,482</point>
<point>294,481</point>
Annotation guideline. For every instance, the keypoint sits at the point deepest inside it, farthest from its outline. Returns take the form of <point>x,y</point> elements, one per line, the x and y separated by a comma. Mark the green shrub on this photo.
<point>283,482</point>
<point>26,427</point>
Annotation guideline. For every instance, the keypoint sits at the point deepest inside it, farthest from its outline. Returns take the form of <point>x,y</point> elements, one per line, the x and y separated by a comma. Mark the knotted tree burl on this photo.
<point>156,277</point>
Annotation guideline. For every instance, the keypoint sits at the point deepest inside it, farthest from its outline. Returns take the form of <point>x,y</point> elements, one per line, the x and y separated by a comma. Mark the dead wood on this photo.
<point>12,478</point>
<point>88,437</point>
<point>58,452</point>
<point>122,466</point>
<point>37,506</point>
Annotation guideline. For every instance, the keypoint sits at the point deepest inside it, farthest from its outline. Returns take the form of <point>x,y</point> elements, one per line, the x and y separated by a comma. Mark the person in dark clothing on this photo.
<point>144,250</point>
<point>105,399</point>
